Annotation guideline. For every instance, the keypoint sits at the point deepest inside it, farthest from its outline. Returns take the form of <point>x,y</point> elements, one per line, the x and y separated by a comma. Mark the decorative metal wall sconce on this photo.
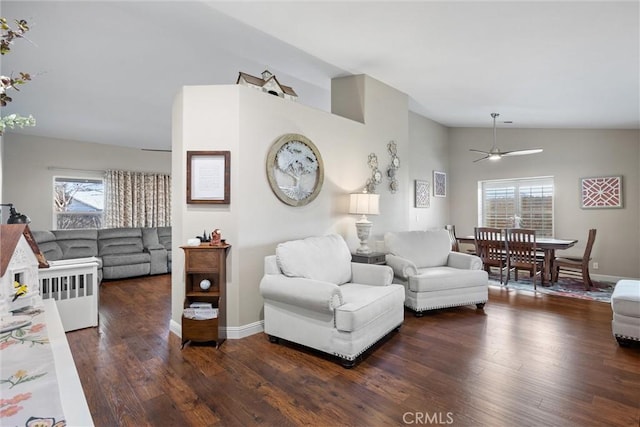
<point>392,148</point>
<point>376,175</point>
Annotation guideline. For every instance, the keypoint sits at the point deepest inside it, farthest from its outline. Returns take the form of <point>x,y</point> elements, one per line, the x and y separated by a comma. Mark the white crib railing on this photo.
<point>73,284</point>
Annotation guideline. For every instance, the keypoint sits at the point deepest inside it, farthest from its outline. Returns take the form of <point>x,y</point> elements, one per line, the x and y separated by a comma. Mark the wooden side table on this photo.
<point>372,258</point>
<point>205,262</point>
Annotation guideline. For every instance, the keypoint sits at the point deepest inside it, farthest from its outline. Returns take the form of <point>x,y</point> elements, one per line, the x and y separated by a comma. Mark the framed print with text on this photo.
<point>208,177</point>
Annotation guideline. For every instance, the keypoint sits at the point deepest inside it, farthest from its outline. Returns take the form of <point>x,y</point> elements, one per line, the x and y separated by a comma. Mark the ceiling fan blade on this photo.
<point>479,151</point>
<point>156,149</point>
<point>482,158</point>
<point>522,152</point>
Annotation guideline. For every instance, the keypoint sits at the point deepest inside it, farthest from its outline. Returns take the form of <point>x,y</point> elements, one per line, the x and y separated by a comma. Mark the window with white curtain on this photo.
<point>521,202</point>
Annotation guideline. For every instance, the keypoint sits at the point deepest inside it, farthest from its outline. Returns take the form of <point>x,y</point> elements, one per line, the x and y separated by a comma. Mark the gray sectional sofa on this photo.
<point>122,252</point>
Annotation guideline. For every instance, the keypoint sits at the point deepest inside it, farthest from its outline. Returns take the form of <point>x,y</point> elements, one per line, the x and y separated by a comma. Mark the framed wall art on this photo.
<point>439,184</point>
<point>208,177</point>
<point>422,194</point>
<point>295,169</point>
<point>601,192</point>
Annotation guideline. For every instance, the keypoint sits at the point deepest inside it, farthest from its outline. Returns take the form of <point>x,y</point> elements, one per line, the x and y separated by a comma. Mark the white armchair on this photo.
<point>315,296</point>
<point>434,276</point>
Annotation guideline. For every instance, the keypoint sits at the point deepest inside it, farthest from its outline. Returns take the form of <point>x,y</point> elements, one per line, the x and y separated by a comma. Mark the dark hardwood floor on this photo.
<point>525,361</point>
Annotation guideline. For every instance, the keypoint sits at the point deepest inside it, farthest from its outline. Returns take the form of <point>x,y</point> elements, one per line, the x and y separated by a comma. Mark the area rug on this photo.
<point>565,286</point>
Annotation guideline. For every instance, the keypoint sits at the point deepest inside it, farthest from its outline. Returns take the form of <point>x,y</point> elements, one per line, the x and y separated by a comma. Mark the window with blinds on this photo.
<point>523,202</point>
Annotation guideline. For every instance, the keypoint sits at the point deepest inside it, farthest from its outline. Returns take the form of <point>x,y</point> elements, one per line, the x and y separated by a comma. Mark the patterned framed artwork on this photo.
<point>601,192</point>
<point>439,184</point>
<point>422,194</point>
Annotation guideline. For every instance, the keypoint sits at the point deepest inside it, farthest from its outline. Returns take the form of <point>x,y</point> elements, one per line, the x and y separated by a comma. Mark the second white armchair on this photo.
<point>434,276</point>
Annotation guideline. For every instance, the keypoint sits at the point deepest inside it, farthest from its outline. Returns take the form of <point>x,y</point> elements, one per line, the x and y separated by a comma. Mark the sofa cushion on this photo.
<point>150,237</point>
<point>325,258</point>
<point>362,304</point>
<point>126,259</point>
<point>119,241</point>
<point>47,244</point>
<point>444,278</point>
<point>424,248</point>
<point>164,237</point>
<point>77,243</point>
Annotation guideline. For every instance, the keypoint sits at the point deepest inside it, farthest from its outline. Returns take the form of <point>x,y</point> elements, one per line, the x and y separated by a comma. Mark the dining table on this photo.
<point>548,245</point>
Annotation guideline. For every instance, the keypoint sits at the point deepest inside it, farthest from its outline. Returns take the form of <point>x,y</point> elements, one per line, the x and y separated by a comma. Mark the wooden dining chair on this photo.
<point>490,248</point>
<point>576,266</point>
<point>522,253</point>
<point>455,247</point>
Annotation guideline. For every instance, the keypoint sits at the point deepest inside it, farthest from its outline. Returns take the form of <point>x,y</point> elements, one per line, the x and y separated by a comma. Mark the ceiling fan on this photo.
<point>496,154</point>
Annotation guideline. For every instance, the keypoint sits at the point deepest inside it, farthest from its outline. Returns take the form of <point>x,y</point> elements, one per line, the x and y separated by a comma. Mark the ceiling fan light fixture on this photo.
<point>495,153</point>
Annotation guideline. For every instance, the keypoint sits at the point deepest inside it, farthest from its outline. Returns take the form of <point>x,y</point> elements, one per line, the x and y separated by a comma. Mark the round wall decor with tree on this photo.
<point>295,169</point>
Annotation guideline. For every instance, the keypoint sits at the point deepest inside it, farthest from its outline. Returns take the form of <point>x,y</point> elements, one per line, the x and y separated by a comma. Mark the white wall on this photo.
<point>429,151</point>
<point>247,123</point>
<point>28,177</point>
<point>568,155</point>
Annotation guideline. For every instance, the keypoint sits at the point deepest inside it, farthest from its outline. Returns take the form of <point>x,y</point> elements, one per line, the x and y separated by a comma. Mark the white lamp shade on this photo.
<point>364,204</point>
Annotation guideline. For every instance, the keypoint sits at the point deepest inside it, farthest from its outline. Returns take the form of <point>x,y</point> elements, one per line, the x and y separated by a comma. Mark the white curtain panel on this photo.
<point>137,199</point>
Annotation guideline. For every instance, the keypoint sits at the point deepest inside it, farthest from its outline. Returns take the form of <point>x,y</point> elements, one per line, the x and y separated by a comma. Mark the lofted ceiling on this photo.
<point>108,71</point>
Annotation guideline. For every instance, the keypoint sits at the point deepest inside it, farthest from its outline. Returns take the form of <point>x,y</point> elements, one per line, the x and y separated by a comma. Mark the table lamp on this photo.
<point>14,216</point>
<point>364,204</point>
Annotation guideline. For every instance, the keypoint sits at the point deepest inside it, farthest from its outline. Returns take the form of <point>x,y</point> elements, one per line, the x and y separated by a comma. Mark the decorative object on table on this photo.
<point>208,177</point>
<point>295,169</point>
<point>267,84</point>
<point>516,221</point>
<point>495,154</point>
<point>10,82</point>
<point>376,175</point>
<point>216,237</point>
<point>394,165</point>
<point>19,263</point>
<point>194,242</point>
<point>205,238</point>
<point>422,194</point>
<point>14,216</point>
<point>364,204</point>
<point>601,192</point>
<point>19,289</point>
<point>205,284</point>
<point>439,184</point>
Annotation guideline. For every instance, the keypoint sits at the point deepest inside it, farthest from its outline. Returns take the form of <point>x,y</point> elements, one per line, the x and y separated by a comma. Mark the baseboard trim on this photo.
<point>238,332</point>
<point>607,278</point>
<point>231,332</point>
<point>175,327</point>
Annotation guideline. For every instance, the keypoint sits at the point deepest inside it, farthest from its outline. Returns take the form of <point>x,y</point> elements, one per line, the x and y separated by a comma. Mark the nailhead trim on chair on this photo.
<point>626,337</point>
<point>342,356</point>
<point>425,308</point>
